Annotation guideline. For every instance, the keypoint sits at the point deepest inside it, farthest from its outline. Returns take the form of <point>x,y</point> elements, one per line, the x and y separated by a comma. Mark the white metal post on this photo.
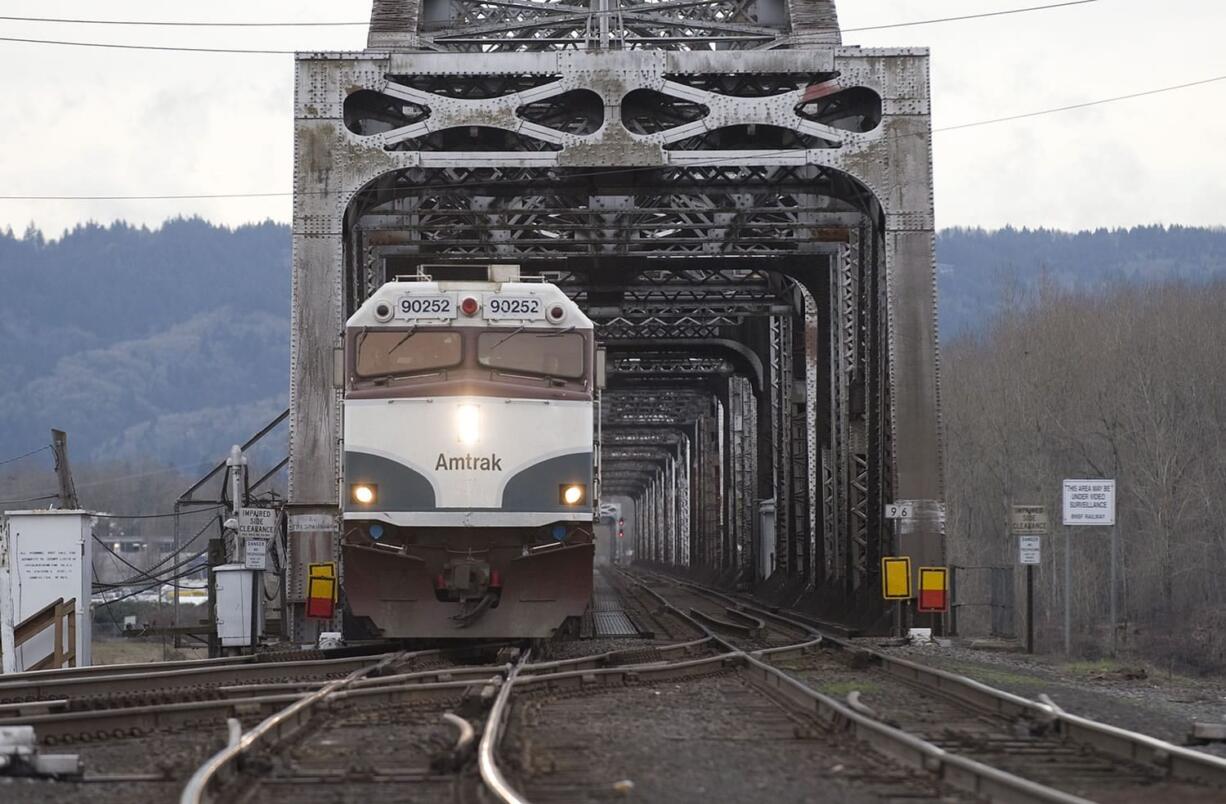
<point>1068,591</point>
<point>1115,549</point>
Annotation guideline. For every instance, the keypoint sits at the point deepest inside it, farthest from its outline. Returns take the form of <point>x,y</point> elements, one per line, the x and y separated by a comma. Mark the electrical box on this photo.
<point>45,556</point>
<point>233,586</point>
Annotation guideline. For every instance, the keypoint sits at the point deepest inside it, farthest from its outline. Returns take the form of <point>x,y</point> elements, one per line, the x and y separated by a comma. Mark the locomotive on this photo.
<point>467,486</point>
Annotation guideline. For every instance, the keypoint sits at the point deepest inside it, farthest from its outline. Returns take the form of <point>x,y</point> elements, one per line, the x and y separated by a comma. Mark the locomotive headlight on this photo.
<point>468,424</point>
<point>364,493</point>
<point>572,494</point>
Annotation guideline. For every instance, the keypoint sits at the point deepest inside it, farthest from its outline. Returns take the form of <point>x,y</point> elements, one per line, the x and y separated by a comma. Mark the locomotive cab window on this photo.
<point>393,352</point>
<point>555,354</point>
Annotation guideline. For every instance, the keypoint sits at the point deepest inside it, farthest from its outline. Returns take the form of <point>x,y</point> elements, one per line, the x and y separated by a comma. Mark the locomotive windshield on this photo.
<point>557,354</point>
<point>382,352</point>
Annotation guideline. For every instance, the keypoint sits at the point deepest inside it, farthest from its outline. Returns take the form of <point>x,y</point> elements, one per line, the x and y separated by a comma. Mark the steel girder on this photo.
<point>491,26</point>
<point>671,184</point>
<point>741,447</point>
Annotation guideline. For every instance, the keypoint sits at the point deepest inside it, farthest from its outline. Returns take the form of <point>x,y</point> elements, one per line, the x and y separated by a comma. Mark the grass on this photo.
<point>1086,666</point>
<point>839,689</point>
<point>126,651</point>
<point>995,676</point>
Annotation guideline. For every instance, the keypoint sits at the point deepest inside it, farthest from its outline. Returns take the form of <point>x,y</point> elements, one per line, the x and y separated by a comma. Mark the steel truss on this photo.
<point>742,206</point>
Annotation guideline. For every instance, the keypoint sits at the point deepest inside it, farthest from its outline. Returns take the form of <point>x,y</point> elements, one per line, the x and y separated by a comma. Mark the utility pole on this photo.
<point>63,472</point>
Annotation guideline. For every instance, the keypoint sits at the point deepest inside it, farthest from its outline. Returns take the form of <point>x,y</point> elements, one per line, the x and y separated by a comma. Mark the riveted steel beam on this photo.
<point>675,188</point>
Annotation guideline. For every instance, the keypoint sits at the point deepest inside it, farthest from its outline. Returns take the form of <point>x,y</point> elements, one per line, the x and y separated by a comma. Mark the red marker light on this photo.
<point>469,306</point>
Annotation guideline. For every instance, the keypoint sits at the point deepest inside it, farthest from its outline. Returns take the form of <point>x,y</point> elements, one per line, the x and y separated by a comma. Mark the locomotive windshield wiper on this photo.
<point>508,337</point>
<point>412,331</point>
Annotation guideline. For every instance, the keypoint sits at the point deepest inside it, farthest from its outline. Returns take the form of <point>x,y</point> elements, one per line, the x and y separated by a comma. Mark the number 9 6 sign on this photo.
<point>899,510</point>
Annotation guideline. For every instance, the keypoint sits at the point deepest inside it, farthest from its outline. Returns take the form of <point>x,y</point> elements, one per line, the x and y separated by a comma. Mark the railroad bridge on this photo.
<point>742,204</point>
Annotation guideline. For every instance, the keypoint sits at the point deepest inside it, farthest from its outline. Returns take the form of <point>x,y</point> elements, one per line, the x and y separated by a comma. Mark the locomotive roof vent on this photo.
<point>463,272</point>
<point>504,273</point>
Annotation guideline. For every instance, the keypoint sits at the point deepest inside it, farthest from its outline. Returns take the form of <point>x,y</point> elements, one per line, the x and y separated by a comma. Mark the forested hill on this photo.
<point>978,271</point>
<point>171,343</point>
<point>174,343</point>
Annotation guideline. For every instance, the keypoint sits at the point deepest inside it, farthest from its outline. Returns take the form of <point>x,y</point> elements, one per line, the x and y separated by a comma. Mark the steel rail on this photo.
<point>1180,763</point>
<point>491,776</point>
<point>102,724</point>
<point>438,675</point>
<point>445,674</point>
<point>57,726</point>
<point>34,676</point>
<point>467,733</point>
<point>961,772</point>
<point>155,681</point>
<point>745,629</point>
<point>221,767</point>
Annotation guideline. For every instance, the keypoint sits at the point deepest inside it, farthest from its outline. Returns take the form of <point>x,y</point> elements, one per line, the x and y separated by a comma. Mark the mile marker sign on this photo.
<point>1089,502</point>
<point>899,510</point>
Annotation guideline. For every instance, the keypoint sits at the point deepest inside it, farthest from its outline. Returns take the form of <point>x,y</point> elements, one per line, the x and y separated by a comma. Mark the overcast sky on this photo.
<point>83,121</point>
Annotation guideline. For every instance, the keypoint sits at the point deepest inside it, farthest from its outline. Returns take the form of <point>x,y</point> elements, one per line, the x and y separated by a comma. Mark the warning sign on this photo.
<point>934,589</point>
<point>1030,549</point>
<point>1089,502</point>
<point>895,578</point>
<point>1028,520</point>
<point>321,591</point>
<point>260,523</point>
<point>255,554</point>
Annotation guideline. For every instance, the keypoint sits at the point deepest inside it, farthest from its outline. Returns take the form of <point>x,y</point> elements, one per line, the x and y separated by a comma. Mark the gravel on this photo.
<point>700,740</point>
<point>1159,705</point>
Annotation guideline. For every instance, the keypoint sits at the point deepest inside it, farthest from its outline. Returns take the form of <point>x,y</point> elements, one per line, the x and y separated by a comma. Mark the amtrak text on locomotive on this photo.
<point>491,464</point>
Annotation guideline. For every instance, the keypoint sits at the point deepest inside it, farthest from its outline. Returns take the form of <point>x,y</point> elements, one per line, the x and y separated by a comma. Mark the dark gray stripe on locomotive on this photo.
<point>534,489</point>
<point>400,488</point>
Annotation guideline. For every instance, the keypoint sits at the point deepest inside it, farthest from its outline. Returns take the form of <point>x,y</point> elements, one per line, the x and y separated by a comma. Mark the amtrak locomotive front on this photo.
<point>468,449</point>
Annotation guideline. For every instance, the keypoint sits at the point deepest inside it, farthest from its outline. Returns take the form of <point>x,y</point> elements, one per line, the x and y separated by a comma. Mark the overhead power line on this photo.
<point>1084,105</point>
<point>363,23</point>
<point>157,516</point>
<point>173,24</point>
<point>167,582</point>
<point>598,173</point>
<point>31,499</point>
<point>25,455</point>
<point>173,49</point>
<point>977,16</point>
<point>166,197</point>
<point>276,52</point>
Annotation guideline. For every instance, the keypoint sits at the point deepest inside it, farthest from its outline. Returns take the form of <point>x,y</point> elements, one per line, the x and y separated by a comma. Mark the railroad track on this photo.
<point>698,730</point>
<point>732,727</point>
<point>111,686</point>
<point>730,621</point>
<point>752,704</point>
<point>101,707</point>
<point>1033,740</point>
<point>347,740</point>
